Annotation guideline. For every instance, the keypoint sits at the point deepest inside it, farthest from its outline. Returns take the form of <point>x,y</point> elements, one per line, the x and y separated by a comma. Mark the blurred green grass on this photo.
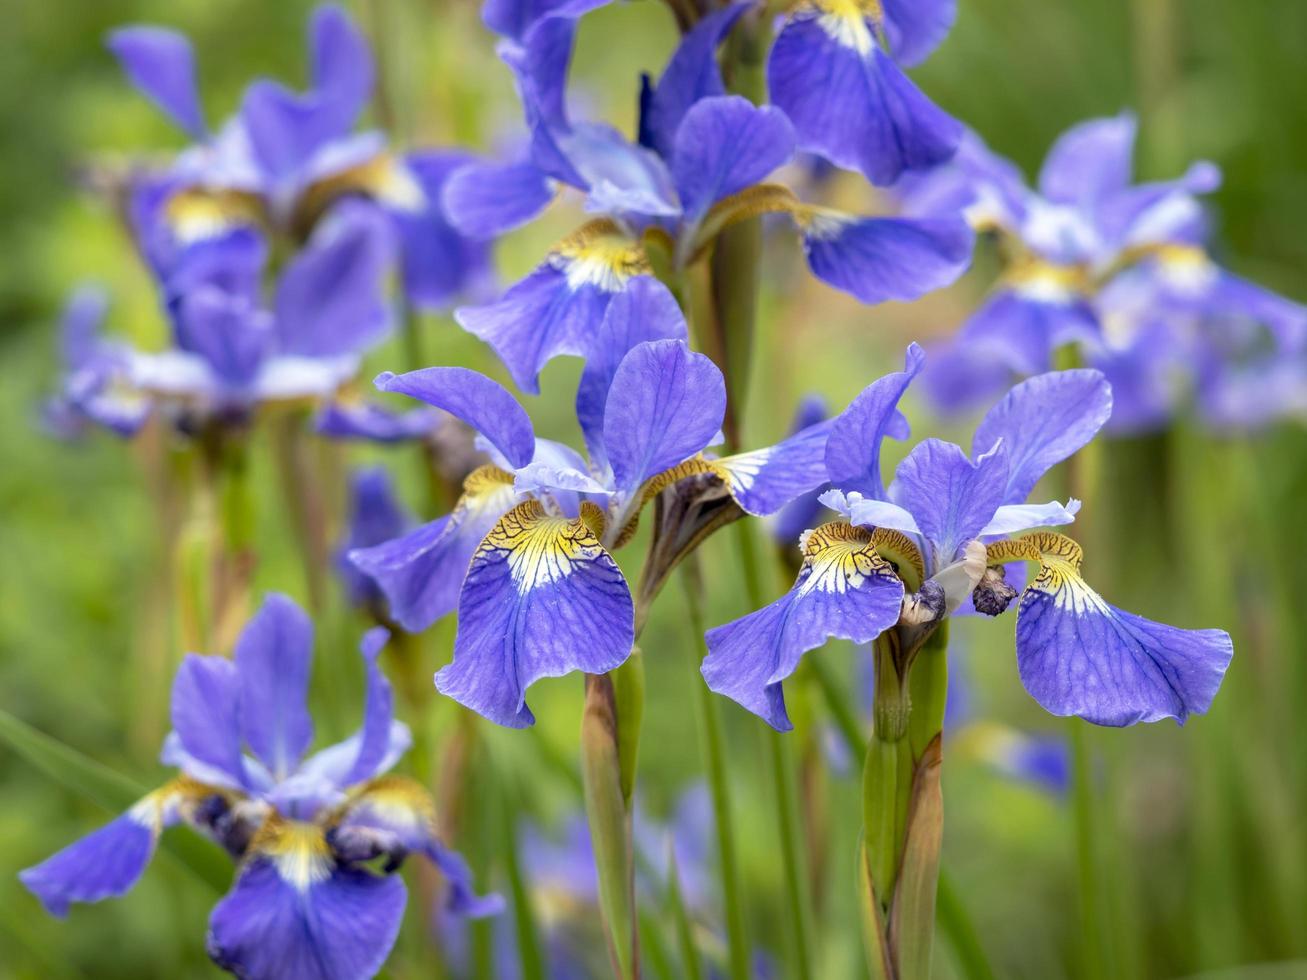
<point>1206,823</point>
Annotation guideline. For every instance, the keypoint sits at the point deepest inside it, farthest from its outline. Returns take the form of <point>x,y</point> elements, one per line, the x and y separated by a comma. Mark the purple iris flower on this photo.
<point>92,389</point>
<point>1075,247</point>
<point>1178,329</point>
<point>701,163</point>
<point>287,156</point>
<point>366,420</point>
<point>914,551</point>
<point>847,97</point>
<point>525,555</point>
<point>304,903</point>
<point>232,350</point>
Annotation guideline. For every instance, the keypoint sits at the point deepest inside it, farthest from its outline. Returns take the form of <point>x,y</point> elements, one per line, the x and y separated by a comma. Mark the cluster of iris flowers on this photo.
<point>272,240</point>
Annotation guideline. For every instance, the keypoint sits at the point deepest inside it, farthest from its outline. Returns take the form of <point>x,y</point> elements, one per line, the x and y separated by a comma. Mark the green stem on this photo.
<point>1092,950</point>
<point>714,747</point>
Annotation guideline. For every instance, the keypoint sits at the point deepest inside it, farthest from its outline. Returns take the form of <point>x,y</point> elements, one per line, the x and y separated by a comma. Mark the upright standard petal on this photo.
<point>422,572</point>
<point>107,862</point>
<point>725,144</point>
<point>879,259</point>
<point>646,310</point>
<point>273,657</point>
<point>665,405</point>
<point>341,64</point>
<point>1078,655</point>
<point>691,74</point>
<point>951,497</point>
<point>285,130</point>
<point>161,64</point>
<point>296,912</point>
<point>1090,161</point>
<point>481,402</point>
<point>206,719</point>
<point>853,445</point>
<point>330,300</point>
<point>557,309</point>
<point>542,598</point>
<point>844,589</point>
<point>378,712</point>
<point>847,99</point>
<point>1041,422</point>
<point>915,28</point>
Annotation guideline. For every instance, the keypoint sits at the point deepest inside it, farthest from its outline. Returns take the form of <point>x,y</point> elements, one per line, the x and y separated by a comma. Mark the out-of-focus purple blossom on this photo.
<point>305,903</point>
<point>287,156</point>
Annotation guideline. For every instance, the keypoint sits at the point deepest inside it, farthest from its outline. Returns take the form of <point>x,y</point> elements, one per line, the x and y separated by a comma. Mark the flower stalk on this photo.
<point>902,804</point>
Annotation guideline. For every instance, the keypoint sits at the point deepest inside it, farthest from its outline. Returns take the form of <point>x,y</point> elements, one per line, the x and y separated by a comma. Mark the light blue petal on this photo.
<point>725,144</point>
<point>484,200</point>
<point>951,498</point>
<point>843,590</point>
<point>915,28</point>
<point>295,913</point>
<point>422,572</point>
<point>645,310</point>
<point>850,103</point>
<point>1078,655</point>
<point>206,714</point>
<point>1041,422</point>
<point>853,446</point>
<point>273,656</point>
<point>665,405</point>
<point>1090,161</point>
<point>691,74</point>
<point>765,480</point>
<point>161,64</point>
<point>542,598</point>
<point>481,402</point>
<point>1011,518</point>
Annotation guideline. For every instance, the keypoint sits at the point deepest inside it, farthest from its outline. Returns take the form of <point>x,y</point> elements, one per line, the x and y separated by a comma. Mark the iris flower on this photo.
<point>1073,248</point>
<point>700,165</point>
<point>525,556</point>
<point>849,101</point>
<point>232,349</point>
<point>286,156</point>
<point>912,552</point>
<point>305,902</point>
<point>375,515</point>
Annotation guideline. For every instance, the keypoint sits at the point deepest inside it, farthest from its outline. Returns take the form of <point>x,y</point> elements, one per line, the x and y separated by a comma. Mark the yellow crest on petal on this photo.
<point>838,557</point>
<point>543,547</point>
<point>600,254</point>
<point>298,849</point>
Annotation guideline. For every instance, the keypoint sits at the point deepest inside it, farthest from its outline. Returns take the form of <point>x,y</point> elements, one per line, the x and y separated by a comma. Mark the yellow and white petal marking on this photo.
<point>1047,282</point>
<point>1187,269</point>
<point>838,557</point>
<point>195,214</point>
<point>542,548</point>
<point>395,801</point>
<point>297,848</point>
<point>383,177</point>
<point>846,22</point>
<point>1059,560</point>
<point>485,489</point>
<point>599,254</point>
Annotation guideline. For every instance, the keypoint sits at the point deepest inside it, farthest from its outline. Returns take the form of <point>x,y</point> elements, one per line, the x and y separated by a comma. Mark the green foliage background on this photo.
<point>1204,828</point>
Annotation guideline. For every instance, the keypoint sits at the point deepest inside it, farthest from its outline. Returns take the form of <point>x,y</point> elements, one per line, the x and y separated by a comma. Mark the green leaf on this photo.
<point>111,790</point>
